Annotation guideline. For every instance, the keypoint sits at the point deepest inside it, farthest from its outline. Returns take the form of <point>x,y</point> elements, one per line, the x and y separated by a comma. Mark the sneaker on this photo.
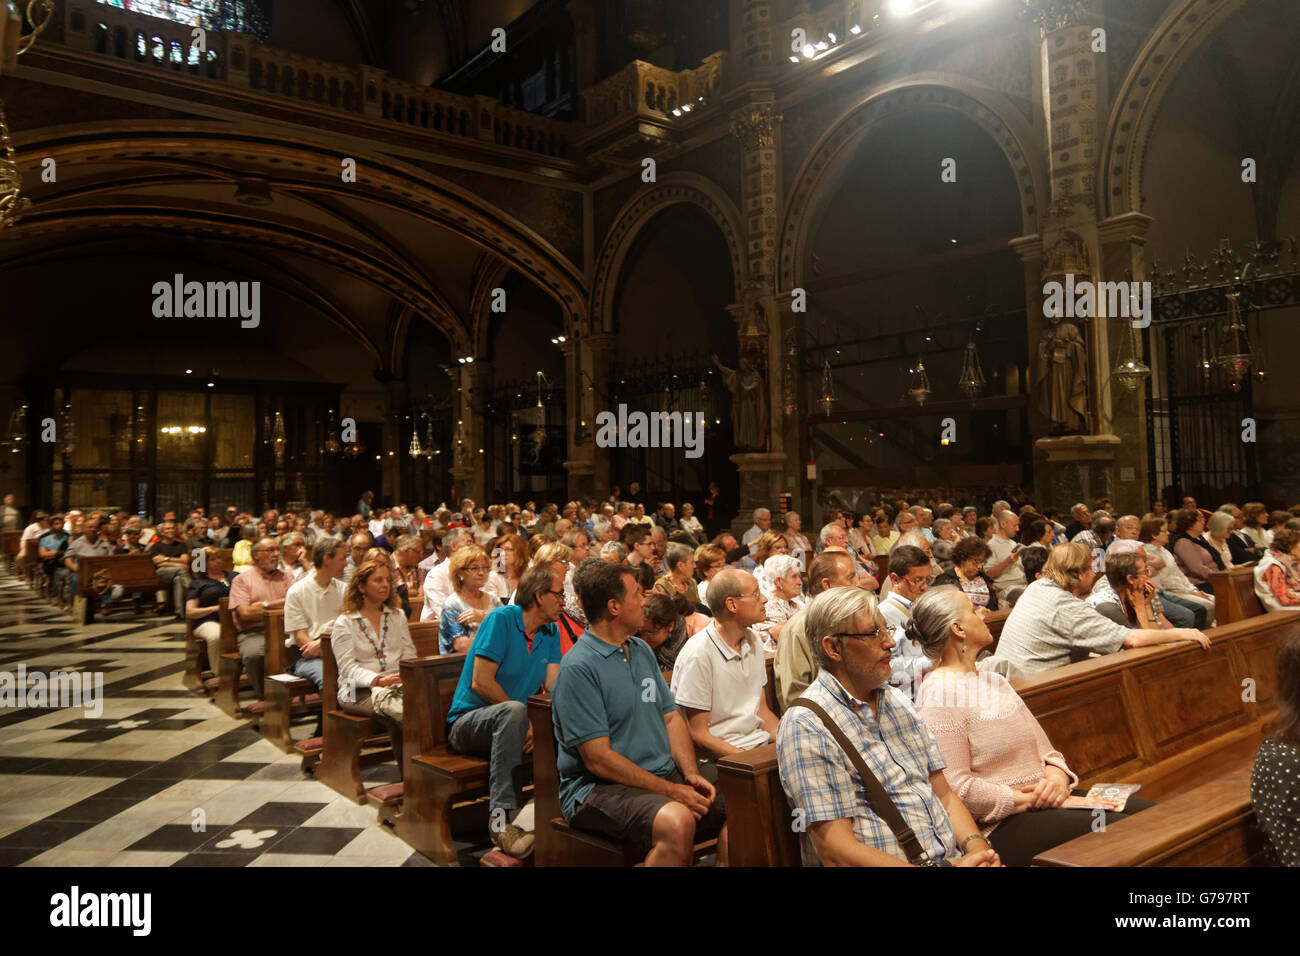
<point>513,841</point>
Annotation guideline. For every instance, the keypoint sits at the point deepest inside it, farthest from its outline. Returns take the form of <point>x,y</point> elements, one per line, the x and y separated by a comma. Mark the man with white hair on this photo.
<point>833,537</point>
<point>720,672</point>
<point>851,645</point>
<point>762,522</point>
<point>924,518</point>
<point>1003,566</point>
<point>1080,520</point>
<point>999,506</point>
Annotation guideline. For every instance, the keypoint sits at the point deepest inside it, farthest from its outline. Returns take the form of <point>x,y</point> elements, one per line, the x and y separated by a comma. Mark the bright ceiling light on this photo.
<point>809,50</point>
<point>855,29</point>
<point>901,8</point>
<point>794,59</point>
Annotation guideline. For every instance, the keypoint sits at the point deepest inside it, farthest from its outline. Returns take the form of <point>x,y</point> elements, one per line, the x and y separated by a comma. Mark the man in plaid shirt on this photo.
<point>851,645</point>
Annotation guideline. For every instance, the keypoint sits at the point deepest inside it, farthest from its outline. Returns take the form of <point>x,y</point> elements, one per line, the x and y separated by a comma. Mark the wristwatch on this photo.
<point>929,862</point>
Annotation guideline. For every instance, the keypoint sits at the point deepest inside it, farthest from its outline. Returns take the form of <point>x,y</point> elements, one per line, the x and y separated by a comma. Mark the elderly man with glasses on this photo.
<point>851,644</point>
<point>256,590</point>
<point>516,651</point>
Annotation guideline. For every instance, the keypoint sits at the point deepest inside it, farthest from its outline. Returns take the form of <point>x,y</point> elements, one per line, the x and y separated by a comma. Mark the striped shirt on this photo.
<point>822,785</point>
<point>1050,627</point>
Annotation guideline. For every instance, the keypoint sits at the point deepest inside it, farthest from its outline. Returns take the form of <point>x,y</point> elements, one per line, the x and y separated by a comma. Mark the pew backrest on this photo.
<point>546,774</point>
<point>329,694</point>
<point>9,543</point>
<point>424,635</point>
<point>98,573</point>
<point>428,689</point>
<point>277,655</point>
<point>229,643</point>
<point>1234,595</point>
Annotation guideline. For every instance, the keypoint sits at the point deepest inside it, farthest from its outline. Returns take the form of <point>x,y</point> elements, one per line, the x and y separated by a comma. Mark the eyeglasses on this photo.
<point>478,567</point>
<point>859,635</point>
<point>558,594</point>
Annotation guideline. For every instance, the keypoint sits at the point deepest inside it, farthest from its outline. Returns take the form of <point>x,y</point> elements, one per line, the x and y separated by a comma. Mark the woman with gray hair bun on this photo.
<point>1217,528</point>
<point>1000,763</point>
<point>781,582</point>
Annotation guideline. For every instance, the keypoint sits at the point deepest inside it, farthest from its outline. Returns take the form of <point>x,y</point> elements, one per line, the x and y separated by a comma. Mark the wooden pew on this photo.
<point>417,605</point>
<point>433,778</point>
<point>1234,595</point>
<point>98,574</point>
<point>230,669</point>
<point>1170,717</point>
<point>285,693</point>
<point>558,844</point>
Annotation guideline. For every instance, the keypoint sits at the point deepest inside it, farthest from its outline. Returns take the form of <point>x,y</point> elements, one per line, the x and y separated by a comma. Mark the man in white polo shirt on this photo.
<point>437,584</point>
<point>310,607</point>
<point>720,672</point>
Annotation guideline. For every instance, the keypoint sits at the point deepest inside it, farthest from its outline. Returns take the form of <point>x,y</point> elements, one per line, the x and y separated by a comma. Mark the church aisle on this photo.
<point>159,776</point>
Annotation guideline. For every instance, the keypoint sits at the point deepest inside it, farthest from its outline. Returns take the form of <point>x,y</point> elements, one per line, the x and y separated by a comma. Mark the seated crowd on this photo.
<point>875,623</point>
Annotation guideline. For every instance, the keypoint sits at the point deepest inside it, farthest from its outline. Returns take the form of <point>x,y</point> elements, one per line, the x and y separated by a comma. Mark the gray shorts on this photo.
<point>627,814</point>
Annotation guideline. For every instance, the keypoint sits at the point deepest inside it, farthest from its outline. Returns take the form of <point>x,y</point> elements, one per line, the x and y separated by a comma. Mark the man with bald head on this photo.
<point>720,672</point>
<point>256,590</point>
<point>1003,566</point>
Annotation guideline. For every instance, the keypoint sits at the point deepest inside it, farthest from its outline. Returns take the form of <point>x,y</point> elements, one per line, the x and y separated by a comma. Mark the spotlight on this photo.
<point>822,45</point>
<point>686,108</point>
<point>189,371</point>
<point>794,59</point>
<point>677,112</point>
<point>809,51</point>
<point>834,39</point>
<point>855,29</point>
<point>901,8</point>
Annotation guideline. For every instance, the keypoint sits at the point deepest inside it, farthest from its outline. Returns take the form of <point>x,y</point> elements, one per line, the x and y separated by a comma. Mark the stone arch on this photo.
<point>990,110</point>
<point>637,212</point>
<point>1180,33</point>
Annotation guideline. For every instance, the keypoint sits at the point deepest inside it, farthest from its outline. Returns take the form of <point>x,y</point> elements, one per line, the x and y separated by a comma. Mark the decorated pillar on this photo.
<point>469,435</point>
<point>755,384</point>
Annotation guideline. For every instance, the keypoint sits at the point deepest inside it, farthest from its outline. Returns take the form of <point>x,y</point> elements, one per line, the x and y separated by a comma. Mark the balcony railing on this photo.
<point>240,61</point>
<point>641,89</point>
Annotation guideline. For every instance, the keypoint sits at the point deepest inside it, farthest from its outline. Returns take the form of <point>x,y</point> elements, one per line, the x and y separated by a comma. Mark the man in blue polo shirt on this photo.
<point>626,763</point>
<point>515,651</point>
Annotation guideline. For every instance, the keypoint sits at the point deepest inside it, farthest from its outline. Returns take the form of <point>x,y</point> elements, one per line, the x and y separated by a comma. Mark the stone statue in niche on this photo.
<point>748,387</point>
<point>1061,377</point>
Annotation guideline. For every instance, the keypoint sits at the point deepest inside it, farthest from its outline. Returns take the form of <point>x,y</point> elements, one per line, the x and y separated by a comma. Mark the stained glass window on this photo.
<point>241,16</point>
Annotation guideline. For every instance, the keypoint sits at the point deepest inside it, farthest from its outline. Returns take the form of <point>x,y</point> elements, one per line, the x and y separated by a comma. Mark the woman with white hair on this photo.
<point>781,582</point>
<point>1217,528</point>
<point>1000,763</point>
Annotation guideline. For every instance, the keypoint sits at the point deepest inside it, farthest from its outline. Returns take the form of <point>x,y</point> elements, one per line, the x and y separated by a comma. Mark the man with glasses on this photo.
<point>256,590</point>
<point>358,544</point>
<point>437,582</point>
<point>909,576</point>
<point>719,674</point>
<point>516,651</point>
<point>852,655</point>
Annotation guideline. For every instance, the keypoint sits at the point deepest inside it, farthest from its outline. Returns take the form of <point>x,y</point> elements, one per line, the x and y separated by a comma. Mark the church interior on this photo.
<point>362,352</point>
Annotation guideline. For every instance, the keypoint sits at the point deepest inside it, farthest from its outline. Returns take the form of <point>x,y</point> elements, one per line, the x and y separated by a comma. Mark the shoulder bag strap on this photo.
<point>880,800</point>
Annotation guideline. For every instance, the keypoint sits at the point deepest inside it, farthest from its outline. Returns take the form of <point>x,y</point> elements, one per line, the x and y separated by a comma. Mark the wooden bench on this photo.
<point>230,669</point>
<point>1234,595</point>
<point>557,843</point>
<point>96,575</point>
<point>285,694</point>
<point>434,778</point>
<point>1170,717</point>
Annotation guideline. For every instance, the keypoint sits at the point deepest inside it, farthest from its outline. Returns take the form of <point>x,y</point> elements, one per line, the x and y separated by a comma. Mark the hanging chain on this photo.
<point>12,202</point>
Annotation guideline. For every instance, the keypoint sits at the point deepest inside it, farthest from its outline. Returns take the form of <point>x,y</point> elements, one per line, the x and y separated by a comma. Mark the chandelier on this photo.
<point>429,449</point>
<point>918,388</point>
<point>827,399</point>
<point>972,380</point>
<point>17,433</point>
<point>415,451</point>
<point>1235,357</point>
<point>332,443</point>
<point>1131,372</point>
<point>68,431</point>
<point>277,438</point>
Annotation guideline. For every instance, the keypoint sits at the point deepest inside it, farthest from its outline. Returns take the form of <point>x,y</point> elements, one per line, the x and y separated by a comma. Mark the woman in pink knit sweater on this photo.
<point>1000,763</point>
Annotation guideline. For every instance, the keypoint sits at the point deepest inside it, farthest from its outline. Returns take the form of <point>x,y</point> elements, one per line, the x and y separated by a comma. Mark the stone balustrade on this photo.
<point>643,89</point>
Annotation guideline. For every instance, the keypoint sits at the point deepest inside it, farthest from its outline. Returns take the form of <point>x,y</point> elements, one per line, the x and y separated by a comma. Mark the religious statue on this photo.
<point>1061,377</point>
<point>748,389</point>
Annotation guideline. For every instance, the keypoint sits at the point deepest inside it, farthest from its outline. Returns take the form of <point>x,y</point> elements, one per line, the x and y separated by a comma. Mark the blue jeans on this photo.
<point>310,668</point>
<point>497,731</point>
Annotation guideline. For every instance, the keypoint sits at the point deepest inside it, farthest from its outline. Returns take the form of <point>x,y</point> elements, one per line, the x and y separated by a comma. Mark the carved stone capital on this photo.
<point>1051,15</point>
<point>755,125</point>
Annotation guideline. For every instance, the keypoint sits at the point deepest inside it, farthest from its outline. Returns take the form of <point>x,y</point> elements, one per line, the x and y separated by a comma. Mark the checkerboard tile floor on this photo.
<point>160,777</point>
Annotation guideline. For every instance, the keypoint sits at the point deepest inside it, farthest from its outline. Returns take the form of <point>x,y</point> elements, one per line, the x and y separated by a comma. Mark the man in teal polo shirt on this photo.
<point>626,763</point>
<point>515,651</point>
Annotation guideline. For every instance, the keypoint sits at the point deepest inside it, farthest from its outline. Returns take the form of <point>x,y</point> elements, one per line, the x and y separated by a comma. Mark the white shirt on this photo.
<point>1014,574</point>
<point>752,535</point>
<point>33,532</point>
<point>1169,578</point>
<point>376,527</point>
<point>709,675</point>
<point>907,662</point>
<point>357,656</point>
<point>310,606</point>
<point>437,588</point>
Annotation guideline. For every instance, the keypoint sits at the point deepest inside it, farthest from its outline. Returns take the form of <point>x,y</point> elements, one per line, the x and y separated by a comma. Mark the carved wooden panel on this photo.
<point>1091,726</point>
<point>1190,698</point>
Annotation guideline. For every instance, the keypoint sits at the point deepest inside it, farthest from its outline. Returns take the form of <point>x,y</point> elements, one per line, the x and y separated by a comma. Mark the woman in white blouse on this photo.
<point>1217,529</point>
<point>369,640</point>
<point>511,563</point>
<point>689,523</point>
<point>781,582</point>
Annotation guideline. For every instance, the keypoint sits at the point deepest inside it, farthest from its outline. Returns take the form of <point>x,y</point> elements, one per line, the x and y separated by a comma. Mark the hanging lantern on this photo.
<point>1234,357</point>
<point>1131,372</point>
<point>827,398</point>
<point>972,380</point>
<point>918,388</point>
<point>1205,355</point>
<point>429,450</point>
<point>332,443</point>
<point>415,451</point>
<point>141,431</point>
<point>17,433</point>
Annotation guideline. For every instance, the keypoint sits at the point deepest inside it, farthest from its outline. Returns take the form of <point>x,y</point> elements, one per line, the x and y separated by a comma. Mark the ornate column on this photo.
<point>588,366</point>
<point>756,125</point>
<point>469,430</point>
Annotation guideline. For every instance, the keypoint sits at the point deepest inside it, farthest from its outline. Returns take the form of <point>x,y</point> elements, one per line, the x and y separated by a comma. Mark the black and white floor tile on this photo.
<point>160,777</point>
